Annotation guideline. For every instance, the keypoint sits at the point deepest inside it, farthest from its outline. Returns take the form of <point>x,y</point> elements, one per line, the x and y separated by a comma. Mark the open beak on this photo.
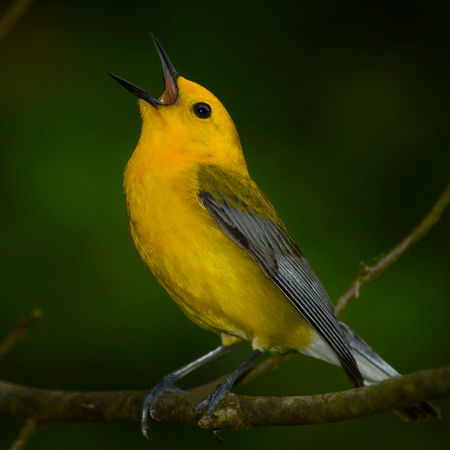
<point>170,94</point>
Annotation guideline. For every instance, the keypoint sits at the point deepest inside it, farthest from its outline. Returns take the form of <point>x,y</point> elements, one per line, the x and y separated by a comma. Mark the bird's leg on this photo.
<point>168,383</point>
<point>224,386</point>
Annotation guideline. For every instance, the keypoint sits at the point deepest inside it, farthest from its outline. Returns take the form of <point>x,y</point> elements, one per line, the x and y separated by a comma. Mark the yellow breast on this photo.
<point>216,284</point>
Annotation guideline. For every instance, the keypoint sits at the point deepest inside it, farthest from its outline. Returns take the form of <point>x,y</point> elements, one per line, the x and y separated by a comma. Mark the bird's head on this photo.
<point>186,122</point>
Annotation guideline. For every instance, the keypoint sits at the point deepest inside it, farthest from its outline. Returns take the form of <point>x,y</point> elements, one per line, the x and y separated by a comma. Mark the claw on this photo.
<point>151,399</point>
<point>144,428</point>
<point>214,398</point>
<point>216,432</point>
<point>201,405</point>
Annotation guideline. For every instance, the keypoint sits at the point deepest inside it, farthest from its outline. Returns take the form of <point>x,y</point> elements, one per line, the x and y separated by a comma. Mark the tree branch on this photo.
<point>236,412</point>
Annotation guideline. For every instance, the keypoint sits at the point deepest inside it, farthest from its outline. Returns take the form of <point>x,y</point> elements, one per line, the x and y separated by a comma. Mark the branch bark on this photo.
<point>236,412</point>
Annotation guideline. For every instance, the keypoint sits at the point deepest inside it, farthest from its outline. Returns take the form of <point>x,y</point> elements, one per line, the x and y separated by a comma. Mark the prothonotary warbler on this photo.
<point>216,244</point>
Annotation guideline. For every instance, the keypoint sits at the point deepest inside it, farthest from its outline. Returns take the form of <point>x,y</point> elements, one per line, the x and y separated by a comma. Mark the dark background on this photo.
<point>343,111</point>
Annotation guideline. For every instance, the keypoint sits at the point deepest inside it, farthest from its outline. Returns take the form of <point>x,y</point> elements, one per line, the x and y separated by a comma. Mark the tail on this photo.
<point>374,369</point>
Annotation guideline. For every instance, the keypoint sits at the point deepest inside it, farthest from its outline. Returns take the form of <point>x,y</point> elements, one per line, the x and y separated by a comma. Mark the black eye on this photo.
<point>202,110</point>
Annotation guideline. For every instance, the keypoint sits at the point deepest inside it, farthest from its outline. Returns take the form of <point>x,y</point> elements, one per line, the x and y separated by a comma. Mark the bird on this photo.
<point>216,244</point>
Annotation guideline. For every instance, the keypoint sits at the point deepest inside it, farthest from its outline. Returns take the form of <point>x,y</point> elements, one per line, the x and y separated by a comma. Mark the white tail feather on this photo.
<point>372,367</point>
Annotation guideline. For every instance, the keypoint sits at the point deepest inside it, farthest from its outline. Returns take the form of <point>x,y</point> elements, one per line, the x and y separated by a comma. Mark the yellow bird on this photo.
<point>216,244</point>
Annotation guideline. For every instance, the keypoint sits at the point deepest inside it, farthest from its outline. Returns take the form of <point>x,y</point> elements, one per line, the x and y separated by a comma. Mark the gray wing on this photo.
<point>281,261</point>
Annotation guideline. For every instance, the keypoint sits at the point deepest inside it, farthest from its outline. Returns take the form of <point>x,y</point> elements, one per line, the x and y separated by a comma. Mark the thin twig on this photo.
<point>19,332</point>
<point>234,411</point>
<point>26,433</point>
<point>367,274</point>
<point>12,16</point>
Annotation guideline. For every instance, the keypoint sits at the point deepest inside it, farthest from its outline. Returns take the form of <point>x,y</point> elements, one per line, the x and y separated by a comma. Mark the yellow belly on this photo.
<point>215,283</point>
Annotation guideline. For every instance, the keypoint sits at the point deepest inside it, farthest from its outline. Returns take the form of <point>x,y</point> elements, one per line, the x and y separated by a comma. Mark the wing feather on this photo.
<point>250,221</point>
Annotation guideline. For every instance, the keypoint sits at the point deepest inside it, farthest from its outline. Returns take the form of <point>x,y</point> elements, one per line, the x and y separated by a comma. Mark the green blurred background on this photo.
<point>343,111</point>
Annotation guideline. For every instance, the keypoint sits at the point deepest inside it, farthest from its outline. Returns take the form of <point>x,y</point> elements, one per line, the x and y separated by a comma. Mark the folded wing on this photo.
<point>245,215</point>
